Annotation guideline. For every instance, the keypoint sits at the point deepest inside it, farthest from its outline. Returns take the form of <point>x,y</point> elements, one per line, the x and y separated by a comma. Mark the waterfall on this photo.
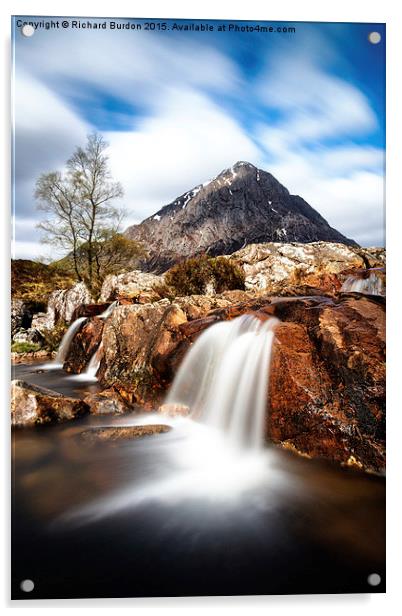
<point>106,313</point>
<point>373,284</point>
<point>66,341</point>
<point>94,363</point>
<point>62,351</point>
<point>224,379</point>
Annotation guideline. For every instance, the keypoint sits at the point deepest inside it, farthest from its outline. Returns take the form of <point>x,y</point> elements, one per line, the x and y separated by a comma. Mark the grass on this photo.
<point>33,281</point>
<point>24,347</point>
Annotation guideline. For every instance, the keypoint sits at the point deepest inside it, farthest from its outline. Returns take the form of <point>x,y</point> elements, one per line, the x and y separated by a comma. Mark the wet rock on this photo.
<point>31,356</point>
<point>273,267</point>
<point>107,402</point>
<point>135,340</point>
<point>32,405</point>
<point>129,285</point>
<point>327,387</point>
<point>138,339</point>
<point>370,281</point>
<point>83,346</point>
<point>327,378</point>
<point>100,435</point>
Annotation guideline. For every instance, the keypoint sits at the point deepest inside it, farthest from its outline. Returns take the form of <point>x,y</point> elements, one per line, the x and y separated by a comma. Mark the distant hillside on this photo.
<point>242,205</point>
<point>32,281</point>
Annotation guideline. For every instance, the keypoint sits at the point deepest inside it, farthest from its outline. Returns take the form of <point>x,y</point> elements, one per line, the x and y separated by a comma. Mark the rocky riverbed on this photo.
<point>98,455</point>
<point>327,381</point>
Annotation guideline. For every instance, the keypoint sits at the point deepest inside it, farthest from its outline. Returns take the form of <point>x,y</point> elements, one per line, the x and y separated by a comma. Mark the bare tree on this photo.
<point>58,198</point>
<point>82,218</point>
<point>90,177</point>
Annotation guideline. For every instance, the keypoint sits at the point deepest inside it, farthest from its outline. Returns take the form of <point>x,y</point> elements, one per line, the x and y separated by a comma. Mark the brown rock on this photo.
<point>139,297</point>
<point>197,306</point>
<point>107,402</point>
<point>84,344</point>
<point>89,310</point>
<point>327,385</point>
<point>31,405</point>
<point>136,339</point>
<point>32,356</point>
<point>114,434</point>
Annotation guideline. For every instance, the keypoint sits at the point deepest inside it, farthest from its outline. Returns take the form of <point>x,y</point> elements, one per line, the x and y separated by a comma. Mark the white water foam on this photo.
<point>223,379</point>
<point>217,453</point>
<point>372,285</point>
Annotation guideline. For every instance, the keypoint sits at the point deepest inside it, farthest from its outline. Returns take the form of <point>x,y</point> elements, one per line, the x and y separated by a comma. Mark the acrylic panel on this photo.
<point>198,307</point>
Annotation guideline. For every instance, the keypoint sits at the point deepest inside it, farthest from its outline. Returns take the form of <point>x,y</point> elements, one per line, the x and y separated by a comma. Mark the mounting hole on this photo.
<point>374,38</point>
<point>27,30</point>
<point>27,585</point>
<point>374,579</point>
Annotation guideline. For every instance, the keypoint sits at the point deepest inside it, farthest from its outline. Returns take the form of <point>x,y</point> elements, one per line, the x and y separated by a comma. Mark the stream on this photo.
<point>181,513</point>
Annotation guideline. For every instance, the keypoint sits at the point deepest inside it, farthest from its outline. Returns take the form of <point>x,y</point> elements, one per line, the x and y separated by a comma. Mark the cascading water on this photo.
<point>65,343</point>
<point>106,313</point>
<point>223,379</point>
<point>93,366</point>
<point>373,284</point>
<point>94,363</point>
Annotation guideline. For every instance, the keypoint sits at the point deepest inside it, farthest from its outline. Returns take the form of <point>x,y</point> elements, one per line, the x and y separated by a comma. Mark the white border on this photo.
<point>285,10</point>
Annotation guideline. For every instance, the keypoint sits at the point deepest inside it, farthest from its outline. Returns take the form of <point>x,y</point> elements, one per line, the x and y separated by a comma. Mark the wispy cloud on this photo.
<point>316,146</point>
<point>170,108</point>
<point>187,141</point>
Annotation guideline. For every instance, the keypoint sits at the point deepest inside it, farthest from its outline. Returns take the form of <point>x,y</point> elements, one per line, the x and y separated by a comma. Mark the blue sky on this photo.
<point>178,107</point>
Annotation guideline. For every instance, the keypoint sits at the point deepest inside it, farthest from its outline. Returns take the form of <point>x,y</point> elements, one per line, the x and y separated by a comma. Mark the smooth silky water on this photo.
<point>372,284</point>
<point>203,509</point>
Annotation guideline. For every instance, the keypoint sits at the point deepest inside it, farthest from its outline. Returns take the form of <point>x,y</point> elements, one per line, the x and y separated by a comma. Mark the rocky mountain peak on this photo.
<point>242,205</point>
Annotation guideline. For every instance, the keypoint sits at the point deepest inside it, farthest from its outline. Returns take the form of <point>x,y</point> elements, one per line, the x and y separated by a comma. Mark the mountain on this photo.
<point>242,205</point>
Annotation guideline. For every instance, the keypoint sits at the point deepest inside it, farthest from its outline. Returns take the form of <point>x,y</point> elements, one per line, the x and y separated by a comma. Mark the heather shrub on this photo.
<point>203,275</point>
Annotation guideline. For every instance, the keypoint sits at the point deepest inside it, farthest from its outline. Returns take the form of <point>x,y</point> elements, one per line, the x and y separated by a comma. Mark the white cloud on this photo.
<point>315,105</point>
<point>343,182</point>
<point>179,141</point>
<point>136,66</point>
<point>187,141</point>
<point>353,205</point>
<point>46,132</point>
<point>30,250</point>
<point>345,160</point>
